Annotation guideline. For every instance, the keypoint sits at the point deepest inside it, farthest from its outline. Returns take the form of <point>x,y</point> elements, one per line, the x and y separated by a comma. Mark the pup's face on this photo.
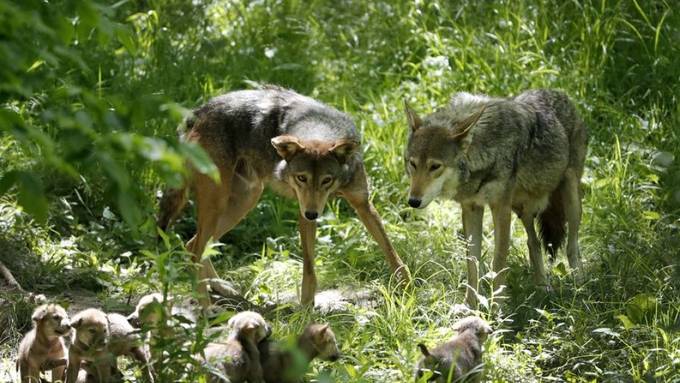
<point>435,156</point>
<point>474,324</point>
<point>52,320</point>
<point>251,325</point>
<point>148,311</point>
<point>92,329</point>
<point>313,169</point>
<point>325,343</point>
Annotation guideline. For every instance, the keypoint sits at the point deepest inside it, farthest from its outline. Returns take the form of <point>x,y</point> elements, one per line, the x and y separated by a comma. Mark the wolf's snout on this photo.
<point>414,202</point>
<point>311,215</point>
<point>334,357</point>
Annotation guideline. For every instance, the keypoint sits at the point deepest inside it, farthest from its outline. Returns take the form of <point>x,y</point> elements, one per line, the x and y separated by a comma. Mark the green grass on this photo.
<point>619,61</point>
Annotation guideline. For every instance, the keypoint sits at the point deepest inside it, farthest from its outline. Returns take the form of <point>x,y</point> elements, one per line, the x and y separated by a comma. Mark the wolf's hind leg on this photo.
<point>535,254</point>
<point>244,196</point>
<point>572,207</point>
<point>211,202</point>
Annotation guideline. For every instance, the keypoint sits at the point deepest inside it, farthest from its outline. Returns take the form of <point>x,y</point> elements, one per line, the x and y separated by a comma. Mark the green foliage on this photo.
<point>61,60</point>
<point>91,95</point>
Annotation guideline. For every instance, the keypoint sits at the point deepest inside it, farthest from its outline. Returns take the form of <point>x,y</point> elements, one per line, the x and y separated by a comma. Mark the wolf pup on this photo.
<point>281,366</point>
<point>43,347</point>
<point>524,154</point>
<point>150,310</point>
<point>99,339</point>
<point>300,147</point>
<point>238,358</point>
<point>459,358</point>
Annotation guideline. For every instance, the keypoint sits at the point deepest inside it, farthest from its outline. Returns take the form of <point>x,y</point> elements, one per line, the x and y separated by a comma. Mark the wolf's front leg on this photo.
<point>502,215</point>
<point>473,217</point>
<point>307,237</point>
<point>358,198</point>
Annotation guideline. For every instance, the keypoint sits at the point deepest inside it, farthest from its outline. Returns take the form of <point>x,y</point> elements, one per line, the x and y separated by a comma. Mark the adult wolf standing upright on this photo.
<point>299,146</point>
<point>524,154</point>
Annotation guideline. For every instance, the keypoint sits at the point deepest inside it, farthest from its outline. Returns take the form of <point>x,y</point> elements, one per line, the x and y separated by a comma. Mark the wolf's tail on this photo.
<point>171,204</point>
<point>173,200</point>
<point>552,223</point>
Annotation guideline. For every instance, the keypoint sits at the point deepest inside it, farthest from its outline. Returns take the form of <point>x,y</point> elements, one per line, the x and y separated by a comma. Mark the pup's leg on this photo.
<point>72,367</point>
<point>140,354</point>
<point>58,373</point>
<point>572,207</point>
<point>103,367</point>
<point>307,238</point>
<point>255,373</point>
<point>357,196</point>
<point>29,374</point>
<point>502,214</point>
<point>535,254</point>
<point>473,217</point>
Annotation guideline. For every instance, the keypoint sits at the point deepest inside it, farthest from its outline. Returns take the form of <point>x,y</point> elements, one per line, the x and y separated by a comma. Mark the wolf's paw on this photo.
<point>403,276</point>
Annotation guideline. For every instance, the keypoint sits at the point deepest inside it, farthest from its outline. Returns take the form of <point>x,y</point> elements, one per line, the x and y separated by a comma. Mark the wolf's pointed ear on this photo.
<point>39,313</point>
<point>323,329</point>
<point>414,121</point>
<point>287,146</point>
<point>76,323</point>
<point>463,127</point>
<point>343,149</point>
<point>423,349</point>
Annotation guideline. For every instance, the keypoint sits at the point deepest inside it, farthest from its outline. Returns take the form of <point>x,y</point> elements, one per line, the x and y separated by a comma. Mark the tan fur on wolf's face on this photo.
<point>251,325</point>
<point>92,328</point>
<point>432,158</point>
<point>435,157</point>
<point>312,169</point>
<point>52,320</point>
<point>148,311</point>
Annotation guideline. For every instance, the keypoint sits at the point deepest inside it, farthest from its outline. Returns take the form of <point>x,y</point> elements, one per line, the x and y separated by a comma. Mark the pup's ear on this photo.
<point>287,146</point>
<point>423,349</point>
<point>75,323</point>
<point>323,330</point>
<point>463,127</point>
<point>39,313</point>
<point>484,329</point>
<point>414,122</point>
<point>343,149</point>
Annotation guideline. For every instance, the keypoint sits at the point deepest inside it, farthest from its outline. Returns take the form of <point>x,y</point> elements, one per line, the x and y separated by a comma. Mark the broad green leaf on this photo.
<point>7,181</point>
<point>32,196</point>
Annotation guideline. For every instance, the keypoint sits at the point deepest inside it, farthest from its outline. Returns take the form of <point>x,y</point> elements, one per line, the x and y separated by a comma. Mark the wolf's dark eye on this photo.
<point>434,167</point>
<point>326,180</point>
<point>301,178</point>
<point>413,164</point>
